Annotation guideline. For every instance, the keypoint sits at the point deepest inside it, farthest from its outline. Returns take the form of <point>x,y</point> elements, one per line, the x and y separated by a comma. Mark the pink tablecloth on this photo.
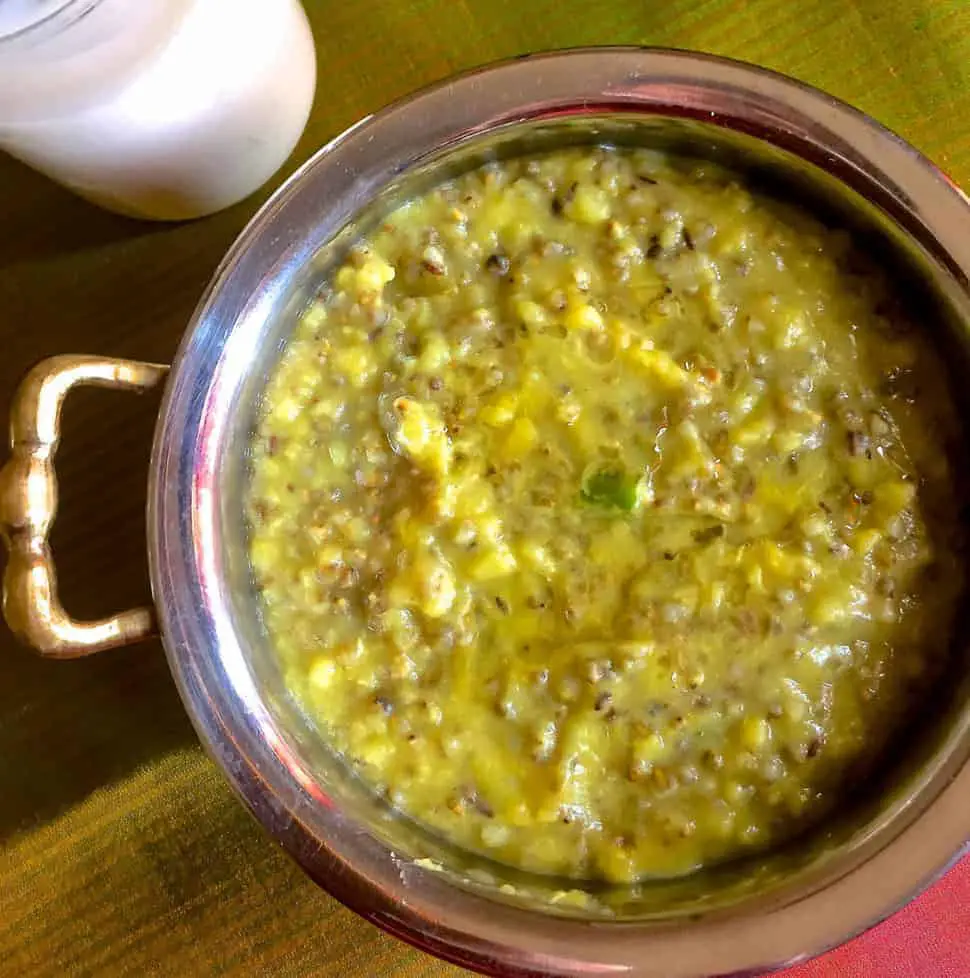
<point>928,939</point>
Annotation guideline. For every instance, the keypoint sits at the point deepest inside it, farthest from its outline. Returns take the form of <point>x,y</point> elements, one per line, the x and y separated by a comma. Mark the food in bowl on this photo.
<point>595,516</point>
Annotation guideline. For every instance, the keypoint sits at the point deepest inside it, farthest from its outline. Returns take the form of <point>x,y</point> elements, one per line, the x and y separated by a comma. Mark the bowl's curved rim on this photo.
<point>205,656</point>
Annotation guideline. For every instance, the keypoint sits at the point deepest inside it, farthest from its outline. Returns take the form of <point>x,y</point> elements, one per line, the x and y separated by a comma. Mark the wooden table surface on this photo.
<point>122,849</point>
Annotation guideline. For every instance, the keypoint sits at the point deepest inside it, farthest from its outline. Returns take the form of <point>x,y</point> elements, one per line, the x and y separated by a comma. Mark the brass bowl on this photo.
<point>740,919</point>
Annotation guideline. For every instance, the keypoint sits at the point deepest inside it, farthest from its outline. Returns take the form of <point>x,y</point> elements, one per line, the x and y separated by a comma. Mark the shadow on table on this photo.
<point>68,223</point>
<point>67,728</point>
<point>74,279</point>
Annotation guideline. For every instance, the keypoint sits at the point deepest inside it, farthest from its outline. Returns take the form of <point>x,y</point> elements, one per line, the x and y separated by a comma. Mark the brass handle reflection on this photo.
<point>28,504</point>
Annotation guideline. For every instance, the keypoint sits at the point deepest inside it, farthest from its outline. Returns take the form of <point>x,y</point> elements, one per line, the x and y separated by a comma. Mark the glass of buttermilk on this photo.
<point>160,109</point>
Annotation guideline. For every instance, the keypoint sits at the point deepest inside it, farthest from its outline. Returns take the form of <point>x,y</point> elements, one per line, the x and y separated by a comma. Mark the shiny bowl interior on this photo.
<point>748,915</point>
<point>786,176</point>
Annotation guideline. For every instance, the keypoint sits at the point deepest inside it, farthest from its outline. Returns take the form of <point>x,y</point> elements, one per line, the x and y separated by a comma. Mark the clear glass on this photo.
<point>163,109</point>
<point>21,15</point>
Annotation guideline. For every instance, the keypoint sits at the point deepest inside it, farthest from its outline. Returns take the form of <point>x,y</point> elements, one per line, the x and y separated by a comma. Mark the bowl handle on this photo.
<point>28,504</point>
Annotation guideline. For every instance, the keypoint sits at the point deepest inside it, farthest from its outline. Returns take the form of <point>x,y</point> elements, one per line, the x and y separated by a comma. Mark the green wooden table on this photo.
<point>123,852</point>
